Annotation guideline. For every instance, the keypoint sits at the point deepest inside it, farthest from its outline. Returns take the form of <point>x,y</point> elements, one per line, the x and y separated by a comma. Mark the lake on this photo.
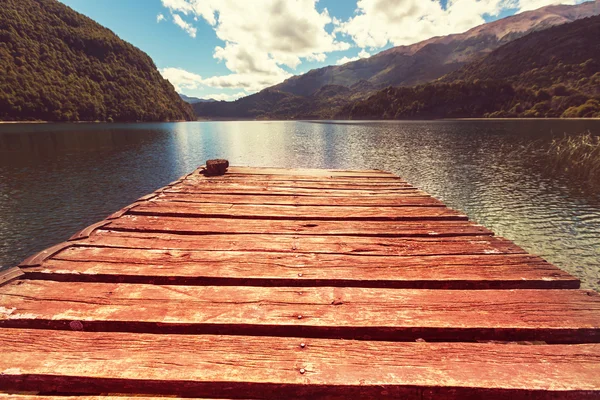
<point>56,179</point>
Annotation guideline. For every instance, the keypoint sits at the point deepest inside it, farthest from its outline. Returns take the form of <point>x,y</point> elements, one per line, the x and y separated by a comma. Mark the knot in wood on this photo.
<point>76,325</point>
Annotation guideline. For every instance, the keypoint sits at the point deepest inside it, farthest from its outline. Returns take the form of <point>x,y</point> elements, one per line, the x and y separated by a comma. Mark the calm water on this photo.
<point>57,179</point>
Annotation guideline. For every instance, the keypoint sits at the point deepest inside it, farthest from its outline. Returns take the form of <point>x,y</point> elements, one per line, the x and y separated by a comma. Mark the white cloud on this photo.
<point>404,22</point>
<point>183,6</point>
<point>363,54</point>
<point>251,82</point>
<point>345,60</point>
<point>317,57</point>
<point>160,18</point>
<point>262,36</point>
<point>225,96</point>
<point>182,79</point>
<point>184,25</point>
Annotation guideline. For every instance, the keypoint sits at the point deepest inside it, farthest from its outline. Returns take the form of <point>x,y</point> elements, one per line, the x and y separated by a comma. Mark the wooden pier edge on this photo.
<point>10,274</point>
<point>307,283</point>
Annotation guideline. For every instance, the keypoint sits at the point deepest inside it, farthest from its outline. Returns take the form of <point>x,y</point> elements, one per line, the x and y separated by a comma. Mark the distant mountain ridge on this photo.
<point>435,57</point>
<point>194,100</point>
<point>549,73</point>
<point>422,62</point>
<point>59,65</point>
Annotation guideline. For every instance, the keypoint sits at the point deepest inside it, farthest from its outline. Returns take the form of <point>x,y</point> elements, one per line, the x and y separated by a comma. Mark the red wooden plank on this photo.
<point>312,172</point>
<point>9,275</point>
<point>144,223</point>
<point>289,184</point>
<point>380,201</point>
<point>553,316</point>
<point>259,367</point>
<point>174,267</point>
<point>279,191</point>
<point>466,245</point>
<point>191,210</point>
<point>235,177</point>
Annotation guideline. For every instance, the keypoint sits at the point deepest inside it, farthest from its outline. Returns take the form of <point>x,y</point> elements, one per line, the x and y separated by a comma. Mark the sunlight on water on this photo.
<point>56,179</point>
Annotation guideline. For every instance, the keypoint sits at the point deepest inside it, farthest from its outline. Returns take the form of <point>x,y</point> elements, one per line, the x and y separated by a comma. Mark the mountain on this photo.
<point>194,100</point>
<point>58,65</point>
<point>275,104</point>
<point>401,66</point>
<point>428,60</point>
<point>550,73</point>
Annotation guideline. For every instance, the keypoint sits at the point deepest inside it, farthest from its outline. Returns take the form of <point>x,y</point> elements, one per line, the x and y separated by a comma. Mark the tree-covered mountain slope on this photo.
<point>550,73</point>
<point>399,66</point>
<point>430,59</point>
<point>275,104</point>
<point>59,65</point>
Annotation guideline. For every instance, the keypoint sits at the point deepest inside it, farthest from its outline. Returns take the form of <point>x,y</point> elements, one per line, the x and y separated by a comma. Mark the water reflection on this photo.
<point>57,179</point>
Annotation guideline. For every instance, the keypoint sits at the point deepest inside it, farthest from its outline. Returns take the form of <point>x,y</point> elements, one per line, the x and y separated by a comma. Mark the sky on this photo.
<point>227,49</point>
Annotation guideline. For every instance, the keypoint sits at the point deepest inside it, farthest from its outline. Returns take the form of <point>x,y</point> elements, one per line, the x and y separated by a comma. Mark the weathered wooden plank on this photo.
<point>553,316</point>
<point>380,201</point>
<point>306,243</point>
<point>38,258</point>
<point>294,185</point>
<point>209,365</point>
<point>100,264</point>
<point>310,172</point>
<point>9,275</point>
<point>235,177</point>
<point>249,184</point>
<point>402,192</point>
<point>424,228</point>
<point>254,211</point>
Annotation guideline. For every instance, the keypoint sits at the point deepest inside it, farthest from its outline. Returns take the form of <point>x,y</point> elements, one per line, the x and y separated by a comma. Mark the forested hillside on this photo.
<point>58,65</point>
<point>552,73</point>
<point>304,96</point>
<point>431,59</point>
<point>275,104</point>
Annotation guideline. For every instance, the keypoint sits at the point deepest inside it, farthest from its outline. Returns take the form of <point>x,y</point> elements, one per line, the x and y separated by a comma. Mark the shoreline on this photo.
<point>87,122</point>
<point>520,119</point>
<point>23,122</point>
<point>298,120</point>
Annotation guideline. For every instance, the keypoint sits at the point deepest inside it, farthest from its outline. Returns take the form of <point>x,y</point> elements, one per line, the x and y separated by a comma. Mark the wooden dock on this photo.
<point>274,283</point>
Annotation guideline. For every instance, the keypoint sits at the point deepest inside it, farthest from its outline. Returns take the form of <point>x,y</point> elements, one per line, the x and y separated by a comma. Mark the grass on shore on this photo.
<point>577,155</point>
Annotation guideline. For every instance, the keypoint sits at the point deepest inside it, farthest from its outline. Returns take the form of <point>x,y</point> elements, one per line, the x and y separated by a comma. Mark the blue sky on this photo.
<point>230,48</point>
